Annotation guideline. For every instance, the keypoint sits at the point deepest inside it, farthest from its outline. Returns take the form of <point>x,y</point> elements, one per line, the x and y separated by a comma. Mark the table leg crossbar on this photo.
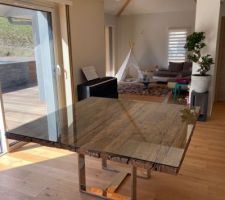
<point>145,174</point>
<point>108,192</point>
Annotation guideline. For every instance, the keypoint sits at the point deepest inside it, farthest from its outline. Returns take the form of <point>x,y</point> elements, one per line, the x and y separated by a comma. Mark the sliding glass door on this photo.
<point>28,72</point>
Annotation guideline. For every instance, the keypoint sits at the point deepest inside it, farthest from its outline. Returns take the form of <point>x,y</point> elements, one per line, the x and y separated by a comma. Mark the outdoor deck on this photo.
<point>22,106</point>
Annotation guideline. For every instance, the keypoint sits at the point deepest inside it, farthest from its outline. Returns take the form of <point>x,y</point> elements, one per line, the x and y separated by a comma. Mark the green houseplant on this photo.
<point>194,45</point>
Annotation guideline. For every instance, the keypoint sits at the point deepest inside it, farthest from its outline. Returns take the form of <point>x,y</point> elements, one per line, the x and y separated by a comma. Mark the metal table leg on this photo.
<point>133,183</point>
<point>81,172</point>
<point>109,192</point>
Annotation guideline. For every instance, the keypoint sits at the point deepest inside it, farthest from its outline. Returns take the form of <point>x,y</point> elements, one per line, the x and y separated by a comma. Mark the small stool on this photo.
<point>178,88</point>
<point>200,100</point>
<point>171,85</point>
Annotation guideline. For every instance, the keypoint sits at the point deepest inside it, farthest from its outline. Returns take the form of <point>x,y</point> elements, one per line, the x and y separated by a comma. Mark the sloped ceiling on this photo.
<point>112,7</point>
<point>149,6</point>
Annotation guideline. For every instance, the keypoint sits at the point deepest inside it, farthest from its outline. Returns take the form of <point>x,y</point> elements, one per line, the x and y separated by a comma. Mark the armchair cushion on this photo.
<point>176,67</point>
<point>187,67</point>
<point>186,74</point>
<point>166,73</point>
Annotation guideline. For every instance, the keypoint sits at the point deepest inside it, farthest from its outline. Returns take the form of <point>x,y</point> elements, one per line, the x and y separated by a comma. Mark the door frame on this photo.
<point>220,58</point>
<point>62,53</point>
<point>3,141</point>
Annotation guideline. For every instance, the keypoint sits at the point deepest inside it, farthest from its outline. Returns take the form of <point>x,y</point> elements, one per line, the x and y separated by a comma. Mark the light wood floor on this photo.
<point>40,173</point>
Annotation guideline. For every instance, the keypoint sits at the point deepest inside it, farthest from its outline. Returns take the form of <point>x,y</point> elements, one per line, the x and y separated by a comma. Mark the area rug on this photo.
<point>158,90</point>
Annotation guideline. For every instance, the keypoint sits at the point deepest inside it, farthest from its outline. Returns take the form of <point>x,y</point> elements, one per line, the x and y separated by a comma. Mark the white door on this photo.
<point>29,72</point>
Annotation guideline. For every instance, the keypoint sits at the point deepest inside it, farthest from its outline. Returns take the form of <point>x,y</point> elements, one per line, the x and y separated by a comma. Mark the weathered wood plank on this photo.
<point>117,181</point>
<point>202,173</point>
<point>144,134</point>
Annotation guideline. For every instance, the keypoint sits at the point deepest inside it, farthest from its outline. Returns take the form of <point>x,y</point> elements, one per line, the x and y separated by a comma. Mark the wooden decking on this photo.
<point>22,106</point>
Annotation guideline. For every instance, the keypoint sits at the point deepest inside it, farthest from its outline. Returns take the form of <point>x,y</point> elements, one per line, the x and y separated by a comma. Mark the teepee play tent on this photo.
<point>130,70</point>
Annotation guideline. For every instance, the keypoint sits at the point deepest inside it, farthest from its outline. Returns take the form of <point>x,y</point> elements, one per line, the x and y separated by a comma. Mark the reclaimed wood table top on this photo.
<point>145,134</point>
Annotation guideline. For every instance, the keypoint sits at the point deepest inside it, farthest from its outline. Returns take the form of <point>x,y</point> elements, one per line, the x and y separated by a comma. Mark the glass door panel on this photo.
<point>27,71</point>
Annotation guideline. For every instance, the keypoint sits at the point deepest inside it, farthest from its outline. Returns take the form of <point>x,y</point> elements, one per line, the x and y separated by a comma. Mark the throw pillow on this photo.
<point>187,67</point>
<point>175,67</point>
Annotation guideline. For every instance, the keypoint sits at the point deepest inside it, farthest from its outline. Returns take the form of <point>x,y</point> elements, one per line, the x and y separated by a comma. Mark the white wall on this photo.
<point>207,20</point>
<point>87,36</point>
<point>110,20</point>
<point>150,35</point>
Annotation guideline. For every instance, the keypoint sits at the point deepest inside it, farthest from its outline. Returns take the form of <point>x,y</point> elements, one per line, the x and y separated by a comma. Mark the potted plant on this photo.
<point>194,45</point>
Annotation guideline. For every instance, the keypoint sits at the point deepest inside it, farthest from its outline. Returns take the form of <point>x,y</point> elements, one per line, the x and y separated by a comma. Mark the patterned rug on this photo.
<point>154,89</point>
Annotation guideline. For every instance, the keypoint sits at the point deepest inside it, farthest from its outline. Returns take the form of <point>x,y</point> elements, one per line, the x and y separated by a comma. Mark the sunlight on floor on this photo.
<point>38,154</point>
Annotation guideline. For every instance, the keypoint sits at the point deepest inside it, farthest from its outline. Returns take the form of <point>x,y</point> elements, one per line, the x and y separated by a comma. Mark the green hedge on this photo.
<point>15,40</point>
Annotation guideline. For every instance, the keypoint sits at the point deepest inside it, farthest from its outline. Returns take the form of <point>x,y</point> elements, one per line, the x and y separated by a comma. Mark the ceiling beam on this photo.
<point>123,8</point>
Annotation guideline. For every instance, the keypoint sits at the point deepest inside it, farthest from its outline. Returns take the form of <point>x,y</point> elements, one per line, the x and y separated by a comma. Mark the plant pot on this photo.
<point>200,83</point>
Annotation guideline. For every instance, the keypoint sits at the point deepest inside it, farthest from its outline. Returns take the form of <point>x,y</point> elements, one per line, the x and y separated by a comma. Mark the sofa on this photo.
<point>174,72</point>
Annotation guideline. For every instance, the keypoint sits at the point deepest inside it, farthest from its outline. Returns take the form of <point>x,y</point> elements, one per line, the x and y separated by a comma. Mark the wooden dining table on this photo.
<point>138,134</point>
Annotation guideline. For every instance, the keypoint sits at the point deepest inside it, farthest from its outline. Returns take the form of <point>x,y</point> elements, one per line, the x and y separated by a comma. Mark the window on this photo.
<point>177,40</point>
